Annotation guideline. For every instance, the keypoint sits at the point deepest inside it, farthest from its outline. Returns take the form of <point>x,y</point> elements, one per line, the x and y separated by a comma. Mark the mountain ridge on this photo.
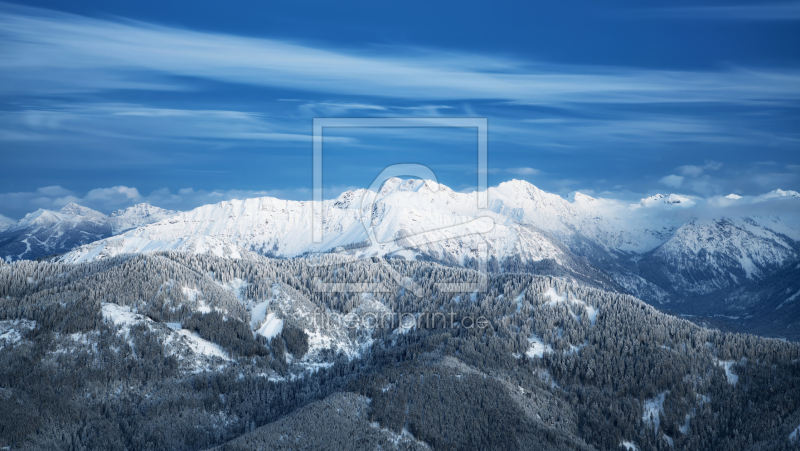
<point>665,249</point>
<point>45,232</point>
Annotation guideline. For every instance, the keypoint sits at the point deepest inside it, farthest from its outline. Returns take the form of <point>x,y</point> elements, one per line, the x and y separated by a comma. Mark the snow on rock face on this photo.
<point>137,216</point>
<point>74,209</point>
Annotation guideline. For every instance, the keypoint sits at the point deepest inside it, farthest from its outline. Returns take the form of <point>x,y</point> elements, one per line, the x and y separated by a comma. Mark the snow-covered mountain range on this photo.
<point>46,232</point>
<point>409,218</point>
<point>676,251</point>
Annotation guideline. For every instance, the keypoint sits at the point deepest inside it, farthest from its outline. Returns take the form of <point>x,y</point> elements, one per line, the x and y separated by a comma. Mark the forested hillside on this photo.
<point>184,351</point>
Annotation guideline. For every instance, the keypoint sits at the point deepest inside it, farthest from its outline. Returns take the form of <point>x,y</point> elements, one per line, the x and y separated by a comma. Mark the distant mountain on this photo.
<point>5,224</point>
<point>783,193</point>
<point>705,256</point>
<point>410,218</point>
<point>137,216</point>
<point>46,232</point>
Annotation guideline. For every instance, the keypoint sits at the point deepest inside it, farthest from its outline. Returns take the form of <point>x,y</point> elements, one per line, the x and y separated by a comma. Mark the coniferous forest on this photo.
<point>178,351</point>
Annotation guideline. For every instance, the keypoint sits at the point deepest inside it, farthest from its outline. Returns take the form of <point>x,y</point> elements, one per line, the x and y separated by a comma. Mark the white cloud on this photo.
<point>673,181</point>
<point>776,178</point>
<point>523,171</point>
<point>691,171</point>
<point>46,51</point>
<point>113,195</point>
<point>697,171</point>
<point>136,122</point>
<point>53,191</point>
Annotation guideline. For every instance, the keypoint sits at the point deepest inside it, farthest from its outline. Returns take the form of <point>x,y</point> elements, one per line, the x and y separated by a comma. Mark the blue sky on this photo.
<point>186,103</point>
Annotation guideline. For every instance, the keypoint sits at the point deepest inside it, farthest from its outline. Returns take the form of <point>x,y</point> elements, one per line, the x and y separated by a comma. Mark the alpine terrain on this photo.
<point>46,232</point>
<point>657,249</point>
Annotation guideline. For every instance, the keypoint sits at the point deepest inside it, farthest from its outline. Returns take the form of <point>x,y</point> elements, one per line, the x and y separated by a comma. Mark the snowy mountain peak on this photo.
<point>74,209</point>
<point>350,199</point>
<point>781,193</point>
<point>6,223</point>
<point>580,198</point>
<point>522,190</point>
<point>142,210</point>
<point>38,218</point>
<point>519,186</point>
<point>396,184</point>
<point>137,216</point>
<point>46,232</point>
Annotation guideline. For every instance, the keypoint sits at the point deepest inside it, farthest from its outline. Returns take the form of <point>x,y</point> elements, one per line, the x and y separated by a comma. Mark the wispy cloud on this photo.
<point>690,170</point>
<point>55,197</point>
<point>673,181</point>
<point>524,171</point>
<point>136,122</point>
<point>4,220</point>
<point>47,51</point>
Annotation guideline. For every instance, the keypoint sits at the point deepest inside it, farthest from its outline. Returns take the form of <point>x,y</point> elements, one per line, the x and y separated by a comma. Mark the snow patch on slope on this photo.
<point>537,348</point>
<point>652,408</point>
<point>187,345</point>
<point>272,326</point>
<point>794,436</point>
<point>729,374</point>
<point>202,346</point>
<point>10,331</point>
